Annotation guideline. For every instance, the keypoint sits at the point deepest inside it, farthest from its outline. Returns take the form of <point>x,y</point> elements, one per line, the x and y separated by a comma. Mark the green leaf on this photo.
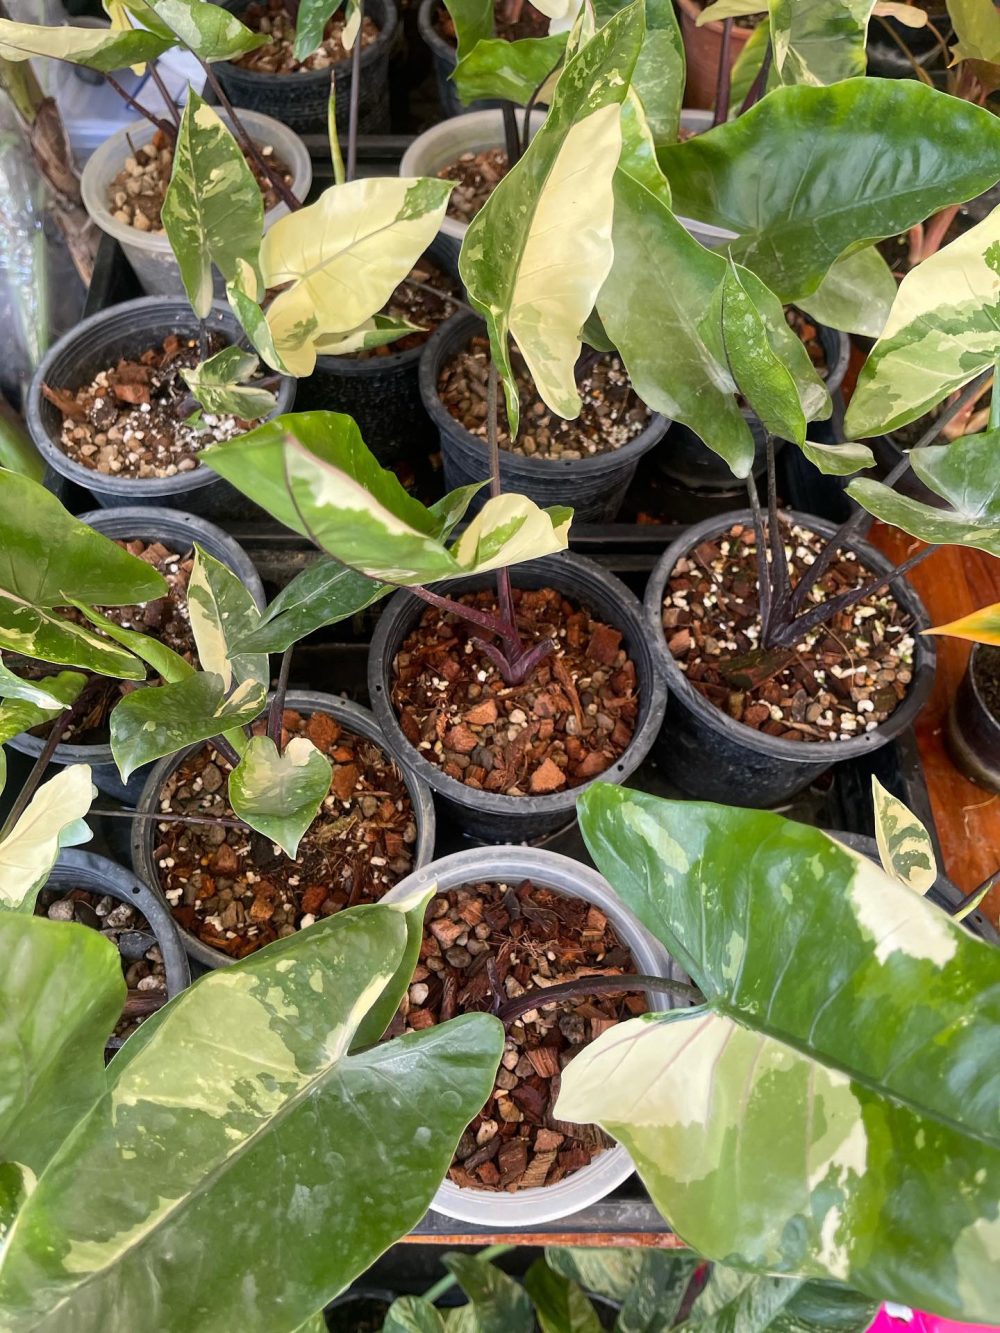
<point>499,1304</point>
<point>163,719</point>
<point>51,821</point>
<point>836,1085</point>
<point>473,20</point>
<point>650,1285</point>
<point>720,10</point>
<point>167,664</point>
<point>52,693</point>
<point>16,1183</point>
<point>660,72</point>
<point>50,558</point>
<point>811,174</point>
<point>17,449</point>
<point>223,612</point>
<point>838,460</point>
<point>412,1314</point>
<point>560,1305</point>
<point>379,331</point>
<point>209,30</point>
<point>904,845</point>
<point>279,795</point>
<point>213,212</point>
<point>61,993</point>
<point>244,1088</point>
<point>733,1300</point>
<point>511,71</point>
<point>977,27</point>
<point>324,593</point>
<point>311,20</point>
<point>218,386</point>
<point>96,48</point>
<point>856,295</point>
<point>941,333</point>
<point>822,43</point>
<point>535,256</point>
<point>241,293</point>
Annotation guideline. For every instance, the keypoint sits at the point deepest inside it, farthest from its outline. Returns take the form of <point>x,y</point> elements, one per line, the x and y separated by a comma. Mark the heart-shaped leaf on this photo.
<point>223,612</point>
<point>218,385</point>
<point>904,845</point>
<point>95,48</point>
<point>279,795</point>
<point>53,820</point>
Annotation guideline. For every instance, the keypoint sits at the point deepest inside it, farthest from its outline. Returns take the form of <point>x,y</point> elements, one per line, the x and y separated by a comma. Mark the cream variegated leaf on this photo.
<point>856,295</point>
<point>96,48</point>
<point>378,331</point>
<point>279,795</point>
<point>838,460</point>
<point>218,385</point>
<point>53,820</point>
<point>510,529</point>
<point>904,845</point>
<point>222,612</point>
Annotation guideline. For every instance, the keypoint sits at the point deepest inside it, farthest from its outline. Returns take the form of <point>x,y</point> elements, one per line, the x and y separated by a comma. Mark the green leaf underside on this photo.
<point>904,845</point>
<point>279,795</point>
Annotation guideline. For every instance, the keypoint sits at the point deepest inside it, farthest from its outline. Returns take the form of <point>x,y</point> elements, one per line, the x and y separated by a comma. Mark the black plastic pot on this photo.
<point>714,758</point>
<point>973,729</point>
<point>78,869</point>
<point>351,716</point>
<point>491,816</point>
<point>381,393</point>
<point>595,486</point>
<point>445,58</point>
<point>95,344</point>
<point>888,60</point>
<point>300,100</point>
<point>178,531</point>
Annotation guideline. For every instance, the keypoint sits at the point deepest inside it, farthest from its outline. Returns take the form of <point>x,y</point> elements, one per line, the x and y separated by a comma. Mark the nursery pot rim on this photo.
<point>430,34</point>
<point>408,757</point>
<point>148,315</point>
<point>561,874</point>
<point>299,76</point>
<point>99,752</point>
<point>357,719</point>
<point>826,752</point>
<point>651,434</point>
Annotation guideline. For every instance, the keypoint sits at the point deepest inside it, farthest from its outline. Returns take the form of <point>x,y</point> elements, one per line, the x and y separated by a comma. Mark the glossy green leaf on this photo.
<point>977,27</point>
<point>310,22</point>
<point>412,1314</point>
<point>819,43</point>
<point>838,460</point>
<point>218,385</point>
<point>499,1304</point>
<point>561,1306</point>
<point>760,375</point>
<point>167,664</point>
<point>209,30</point>
<point>53,820</point>
<point>839,1088</point>
<point>904,845</point>
<point>732,1300</point>
<point>720,10</point>
<point>511,71</point>
<point>17,449</point>
<point>373,1025</point>
<point>53,693</point>
<point>941,333</point>
<point>649,1285</point>
<point>96,48</point>
<point>61,993</point>
<point>811,174</point>
<point>279,795</point>
<point>324,593</point>
<point>473,22</point>
<point>163,719</point>
<point>244,1088</point>
<point>535,256</point>
<point>213,212</point>
<point>16,1183</point>
<point>660,72</point>
<point>222,612</point>
<point>856,294</point>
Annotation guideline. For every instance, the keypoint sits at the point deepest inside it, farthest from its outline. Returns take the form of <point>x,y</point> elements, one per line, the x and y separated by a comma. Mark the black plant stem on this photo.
<point>442,296</point>
<point>532,100</point>
<point>161,88</point>
<point>248,145</point>
<point>781,584</point>
<point>34,778</point>
<point>511,138</point>
<point>584,986</point>
<point>354,102</point>
<point>980,891</point>
<point>760,550</point>
<point>756,91</point>
<point>166,817</point>
<point>722,79</point>
<point>226,750</point>
<point>277,710</point>
<point>164,125</point>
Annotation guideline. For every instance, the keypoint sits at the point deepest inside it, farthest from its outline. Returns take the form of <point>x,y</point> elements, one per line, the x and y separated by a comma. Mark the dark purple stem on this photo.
<point>722,80</point>
<point>164,125</point>
<point>759,84</point>
<point>276,712</point>
<point>584,986</point>
<point>166,817</point>
<point>161,88</point>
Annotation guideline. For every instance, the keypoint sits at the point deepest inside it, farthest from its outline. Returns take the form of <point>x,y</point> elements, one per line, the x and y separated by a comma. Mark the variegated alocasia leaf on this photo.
<point>209,30</point>
<point>720,10</point>
<point>279,795</point>
<point>856,295</point>
<point>28,704</point>
<point>167,664</point>
<point>660,70</point>
<point>213,212</point>
<point>511,71</point>
<point>831,1110</point>
<point>379,331</point>
<point>904,845</point>
<point>218,385</point>
<point>310,22</point>
<point>535,256</point>
<point>811,174</point>
<point>819,43</point>
<point>941,333</point>
<point>54,819</point>
<point>838,460</point>
<point>50,558</point>
<point>966,474</point>
<point>223,612</point>
<point>414,1314</point>
<point>61,993</point>
<point>497,1303</point>
<point>241,293</point>
<point>324,593</point>
<point>96,48</point>
<point>981,626</point>
<point>340,259</point>
<point>246,1087</point>
<point>163,719</point>
<point>648,1285</point>
<point>977,27</point>
<point>561,1305</point>
<point>732,1300</point>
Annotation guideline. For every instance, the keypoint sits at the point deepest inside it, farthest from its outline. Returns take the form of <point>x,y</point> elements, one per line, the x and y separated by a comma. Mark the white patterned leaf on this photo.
<point>222,613</point>
<point>96,48</point>
<point>53,820</point>
<point>218,385</point>
<point>904,845</point>
<point>279,795</point>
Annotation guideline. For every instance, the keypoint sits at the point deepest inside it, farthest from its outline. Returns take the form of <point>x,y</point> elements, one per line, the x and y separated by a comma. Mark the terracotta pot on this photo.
<point>702,49</point>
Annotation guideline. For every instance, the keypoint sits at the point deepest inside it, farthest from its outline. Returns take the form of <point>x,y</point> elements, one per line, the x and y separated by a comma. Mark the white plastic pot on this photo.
<point>526,1208</point>
<point>149,253</point>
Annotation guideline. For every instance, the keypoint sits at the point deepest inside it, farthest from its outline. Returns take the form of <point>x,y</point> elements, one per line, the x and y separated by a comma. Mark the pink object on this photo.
<point>924,1323</point>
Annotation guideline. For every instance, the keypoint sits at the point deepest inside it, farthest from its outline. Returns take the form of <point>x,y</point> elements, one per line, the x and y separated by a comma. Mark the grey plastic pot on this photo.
<point>526,1208</point>
<point>178,531</point>
<point>95,344</point>
<point>973,729</point>
<point>714,758</point>
<point>445,143</point>
<point>300,100</point>
<point>149,253</point>
<point>594,486</point>
<point>350,716</point>
<point>381,393</point>
<point>445,58</point>
<point>490,816</point>
<point>77,869</point>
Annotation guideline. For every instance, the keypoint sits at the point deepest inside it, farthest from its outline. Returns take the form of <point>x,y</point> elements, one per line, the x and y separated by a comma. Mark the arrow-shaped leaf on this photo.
<point>279,795</point>
<point>981,626</point>
<point>95,48</point>
<point>904,845</point>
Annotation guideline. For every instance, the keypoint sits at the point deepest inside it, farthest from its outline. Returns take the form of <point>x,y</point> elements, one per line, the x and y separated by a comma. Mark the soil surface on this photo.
<point>136,195</point>
<point>477,176</point>
<point>840,680</point>
<point>571,720</point>
<point>278,56</point>
<point>237,892</point>
<point>512,19</point>
<point>987,675</point>
<point>515,937</point>
<point>129,931</point>
<point>611,414</point>
<point>419,307</point>
<point>134,419</point>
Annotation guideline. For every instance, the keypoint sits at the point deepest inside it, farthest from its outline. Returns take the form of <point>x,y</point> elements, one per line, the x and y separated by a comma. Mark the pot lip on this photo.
<point>431,355</point>
<point>990,718</point>
<point>360,720</point>
<point>100,753</point>
<point>405,605</point>
<point>149,313</point>
<point>425,25</point>
<point>368,54</point>
<point>826,752</point>
<point>692,11</point>
<point>544,1203</point>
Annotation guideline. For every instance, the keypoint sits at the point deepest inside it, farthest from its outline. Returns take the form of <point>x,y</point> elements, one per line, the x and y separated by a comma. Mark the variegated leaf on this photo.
<point>324,593</point>
<point>497,1303</point>
<point>29,704</point>
<point>96,48</point>
<point>207,29</point>
<point>223,612</point>
<point>213,212</point>
<point>310,22</point>
<point>218,385</point>
<point>720,10</point>
<point>831,1111</point>
<point>941,333</point>
<point>536,255</point>
<point>279,795</point>
<point>16,1183</point>
<point>736,1302</point>
<point>659,74</point>
<point>241,293</point>
<point>856,294</point>
<point>413,1314</point>
<point>819,43</point>
<point>61,993</point>
<point>53,820</point>
<point>378,331</point>
<point>167,664</point>
<point>648,1285</point>
<point>904,845</point>
<point>340,259</point>
<point>981,626</point>
<point>512,71</point>
<point>246,1087</point>
<point>838,460</point>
